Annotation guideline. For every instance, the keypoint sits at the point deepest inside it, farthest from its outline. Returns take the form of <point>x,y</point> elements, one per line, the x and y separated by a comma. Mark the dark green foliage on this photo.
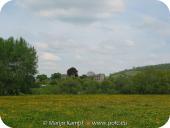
<point>83,76</point>
<point>42,79</point>
<point>56,76</point>
<point>90,86</point>
<point>108,87</point>
<point>62,86</point>
<point>18,64</point>
<point>152,81</point>
<point>70,86</point>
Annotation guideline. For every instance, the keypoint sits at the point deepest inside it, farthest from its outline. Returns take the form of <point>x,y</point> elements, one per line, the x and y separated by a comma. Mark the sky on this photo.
<point>103,36</point>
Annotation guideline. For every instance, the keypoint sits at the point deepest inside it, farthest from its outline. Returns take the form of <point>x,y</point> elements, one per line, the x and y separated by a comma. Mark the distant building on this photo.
<point>99,77</point>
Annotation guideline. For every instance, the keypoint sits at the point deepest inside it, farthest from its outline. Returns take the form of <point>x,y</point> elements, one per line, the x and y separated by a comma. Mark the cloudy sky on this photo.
<point>103,36</point>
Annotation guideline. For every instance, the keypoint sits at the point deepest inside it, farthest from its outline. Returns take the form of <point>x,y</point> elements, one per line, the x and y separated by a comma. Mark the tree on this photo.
<point>55,76</point>
<point>18,65</point>
<point>42,78</point>
<point>72,72</point>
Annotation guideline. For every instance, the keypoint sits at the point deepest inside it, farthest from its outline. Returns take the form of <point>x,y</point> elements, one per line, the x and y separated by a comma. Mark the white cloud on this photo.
<point>130,43</point>
<point>158,26</point>
<point>58,12</point>
<point>79,10</point>
<point>49,57</point>
<point>79,57</point>
<point>41,45</point>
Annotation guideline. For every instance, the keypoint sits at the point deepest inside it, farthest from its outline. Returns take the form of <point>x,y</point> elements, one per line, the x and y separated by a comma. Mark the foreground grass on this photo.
<point>137,110</point>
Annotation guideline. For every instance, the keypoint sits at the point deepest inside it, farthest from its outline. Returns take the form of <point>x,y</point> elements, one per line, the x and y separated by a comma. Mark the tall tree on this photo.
<point>72,72</point>
<point>18,65</point>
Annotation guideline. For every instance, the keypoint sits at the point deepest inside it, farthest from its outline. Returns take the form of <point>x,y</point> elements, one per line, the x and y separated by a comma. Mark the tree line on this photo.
<point>18,75</point>
<point>148,81</point>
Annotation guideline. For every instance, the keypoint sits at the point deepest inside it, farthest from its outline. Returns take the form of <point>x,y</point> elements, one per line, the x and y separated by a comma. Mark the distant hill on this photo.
<point>136,70</point>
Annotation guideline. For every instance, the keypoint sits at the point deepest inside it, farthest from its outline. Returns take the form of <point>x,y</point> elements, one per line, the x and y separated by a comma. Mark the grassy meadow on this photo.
<point>138,111</point>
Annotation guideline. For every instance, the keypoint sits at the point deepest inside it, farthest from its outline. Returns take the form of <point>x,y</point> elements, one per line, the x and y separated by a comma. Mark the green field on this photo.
<point>137,110</point>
